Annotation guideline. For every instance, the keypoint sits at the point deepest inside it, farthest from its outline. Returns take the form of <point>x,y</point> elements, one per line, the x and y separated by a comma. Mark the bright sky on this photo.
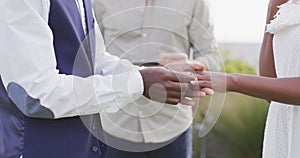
<point>239,20</point>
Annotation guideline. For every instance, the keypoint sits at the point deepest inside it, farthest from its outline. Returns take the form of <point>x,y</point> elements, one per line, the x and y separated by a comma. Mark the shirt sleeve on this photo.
<point>28,69</point>
<point>201,34</point>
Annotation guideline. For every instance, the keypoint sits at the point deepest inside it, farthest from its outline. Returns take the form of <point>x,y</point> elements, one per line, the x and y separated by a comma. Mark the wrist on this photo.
<point>232,82</point>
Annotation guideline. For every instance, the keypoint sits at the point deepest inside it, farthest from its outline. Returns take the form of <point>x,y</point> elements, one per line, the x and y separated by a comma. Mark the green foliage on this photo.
<point>239,130</point>
<point>237,66</point>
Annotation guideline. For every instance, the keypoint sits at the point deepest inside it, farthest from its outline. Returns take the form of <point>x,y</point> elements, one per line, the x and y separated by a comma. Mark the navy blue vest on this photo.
<point>11,127</point>
<point>62,138</point>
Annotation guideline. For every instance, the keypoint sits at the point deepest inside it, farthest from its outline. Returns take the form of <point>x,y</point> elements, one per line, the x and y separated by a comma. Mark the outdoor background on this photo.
<point>239,28</point>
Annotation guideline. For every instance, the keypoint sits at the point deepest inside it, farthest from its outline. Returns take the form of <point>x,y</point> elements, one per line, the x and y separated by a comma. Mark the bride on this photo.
<point>280,66</point>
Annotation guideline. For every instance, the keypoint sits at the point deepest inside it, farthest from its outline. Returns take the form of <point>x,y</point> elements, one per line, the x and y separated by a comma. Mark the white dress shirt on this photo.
<point>27,58</point>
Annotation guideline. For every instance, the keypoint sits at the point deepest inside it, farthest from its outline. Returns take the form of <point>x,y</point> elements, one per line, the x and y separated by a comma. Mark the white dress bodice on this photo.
<point>282,133</point>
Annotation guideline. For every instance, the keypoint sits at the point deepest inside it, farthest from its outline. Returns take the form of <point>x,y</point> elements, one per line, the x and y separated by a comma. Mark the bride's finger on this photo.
<point>208,91</point>
<point>203,75</point>
<point>195,94</point>
<point>202,84</point>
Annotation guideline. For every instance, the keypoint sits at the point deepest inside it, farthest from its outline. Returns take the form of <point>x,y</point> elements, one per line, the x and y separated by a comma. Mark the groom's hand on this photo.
<point>163,85</point>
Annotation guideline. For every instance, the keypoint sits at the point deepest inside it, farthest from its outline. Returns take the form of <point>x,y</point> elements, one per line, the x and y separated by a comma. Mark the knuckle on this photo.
<point>166,74</point>
<point>168,84</point>
<point>184,87</point>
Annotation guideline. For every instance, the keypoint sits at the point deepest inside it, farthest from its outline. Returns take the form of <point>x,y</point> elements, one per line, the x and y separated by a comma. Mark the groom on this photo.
<point>52,74</point>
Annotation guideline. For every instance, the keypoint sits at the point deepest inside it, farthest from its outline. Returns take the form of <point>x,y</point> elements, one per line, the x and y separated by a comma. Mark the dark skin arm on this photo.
<point>284,90</point>
<point>266,59</point>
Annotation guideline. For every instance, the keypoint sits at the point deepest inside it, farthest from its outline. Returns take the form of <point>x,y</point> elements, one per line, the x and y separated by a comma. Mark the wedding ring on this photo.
<point>195,77</point>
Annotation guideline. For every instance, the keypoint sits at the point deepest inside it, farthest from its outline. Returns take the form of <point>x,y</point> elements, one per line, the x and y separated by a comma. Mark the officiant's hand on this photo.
<point>168,58</point>
<point>179,62</point>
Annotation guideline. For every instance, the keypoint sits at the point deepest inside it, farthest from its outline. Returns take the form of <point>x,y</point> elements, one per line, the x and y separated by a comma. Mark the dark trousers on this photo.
<point>179,148</point>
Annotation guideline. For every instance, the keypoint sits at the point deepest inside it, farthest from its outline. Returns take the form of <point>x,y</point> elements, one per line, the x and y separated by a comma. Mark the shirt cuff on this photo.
<point>126,89</point>
<point>136,84</point>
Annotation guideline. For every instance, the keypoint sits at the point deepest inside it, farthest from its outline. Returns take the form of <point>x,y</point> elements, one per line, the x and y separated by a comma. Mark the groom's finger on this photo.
<point>181,77</point>
<point>177,86</point>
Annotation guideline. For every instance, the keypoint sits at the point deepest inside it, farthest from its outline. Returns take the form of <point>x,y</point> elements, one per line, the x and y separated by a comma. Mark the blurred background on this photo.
<point>239,28</point>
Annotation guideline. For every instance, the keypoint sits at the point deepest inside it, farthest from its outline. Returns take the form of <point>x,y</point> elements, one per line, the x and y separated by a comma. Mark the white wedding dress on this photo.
<point>282,133</point>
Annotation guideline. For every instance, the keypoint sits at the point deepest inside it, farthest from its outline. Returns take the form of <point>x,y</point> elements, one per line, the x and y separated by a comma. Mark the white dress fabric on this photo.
<point>282,133</point>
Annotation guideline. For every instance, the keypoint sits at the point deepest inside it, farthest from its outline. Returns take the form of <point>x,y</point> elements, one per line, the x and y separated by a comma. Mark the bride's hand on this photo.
<point>214,80</point>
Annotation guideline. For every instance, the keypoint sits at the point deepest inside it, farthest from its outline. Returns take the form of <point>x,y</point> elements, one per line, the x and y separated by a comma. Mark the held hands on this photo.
<point>179,62</point>
<point>172,83</point>
<point>217,81</point>
<point>207,81</point>
<point>163,85</point>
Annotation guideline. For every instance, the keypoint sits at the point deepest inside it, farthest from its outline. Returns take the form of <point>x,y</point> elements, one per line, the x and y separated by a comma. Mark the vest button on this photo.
<point>95,149</point>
